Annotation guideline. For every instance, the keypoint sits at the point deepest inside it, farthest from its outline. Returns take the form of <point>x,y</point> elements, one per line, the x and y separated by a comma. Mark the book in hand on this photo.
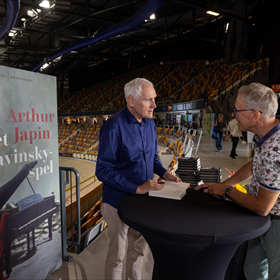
<point>171,190</point>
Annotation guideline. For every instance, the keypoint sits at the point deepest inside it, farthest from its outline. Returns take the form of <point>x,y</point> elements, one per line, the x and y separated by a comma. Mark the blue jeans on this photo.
<point>219,140</point>
<point>263,255</point>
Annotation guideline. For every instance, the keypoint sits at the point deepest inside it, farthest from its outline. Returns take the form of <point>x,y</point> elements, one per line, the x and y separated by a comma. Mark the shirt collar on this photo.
<point>130,118</point>
<point>268,135</point>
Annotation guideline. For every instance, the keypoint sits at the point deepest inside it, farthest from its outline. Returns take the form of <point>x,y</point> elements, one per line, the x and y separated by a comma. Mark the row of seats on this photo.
<point>102,95</point>
<point>78,139</point>
<point>92,224</point>
<point>174,82</point>
<point>216,78</point>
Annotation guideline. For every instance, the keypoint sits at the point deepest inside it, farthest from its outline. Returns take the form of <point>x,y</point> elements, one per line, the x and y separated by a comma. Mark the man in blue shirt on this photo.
<point>127,159</point>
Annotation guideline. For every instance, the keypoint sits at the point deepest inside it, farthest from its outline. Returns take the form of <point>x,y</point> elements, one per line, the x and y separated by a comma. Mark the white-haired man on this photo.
<point>255,109</point>
<point>127,159</point>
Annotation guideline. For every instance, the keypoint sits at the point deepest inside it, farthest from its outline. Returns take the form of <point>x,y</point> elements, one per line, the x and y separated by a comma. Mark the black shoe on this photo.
<point>236,155</point>
<point>232,156</point>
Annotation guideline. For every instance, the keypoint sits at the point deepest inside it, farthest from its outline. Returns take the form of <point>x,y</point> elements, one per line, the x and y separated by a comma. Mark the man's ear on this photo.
<point>256,116</point>
<point>130,101</point>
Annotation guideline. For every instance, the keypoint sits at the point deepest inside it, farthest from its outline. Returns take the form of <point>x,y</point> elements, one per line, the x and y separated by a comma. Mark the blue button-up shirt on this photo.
<point>127,156</point>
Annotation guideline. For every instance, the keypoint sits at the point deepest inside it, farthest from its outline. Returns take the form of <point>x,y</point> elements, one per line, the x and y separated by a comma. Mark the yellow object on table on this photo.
<point>241,188</point>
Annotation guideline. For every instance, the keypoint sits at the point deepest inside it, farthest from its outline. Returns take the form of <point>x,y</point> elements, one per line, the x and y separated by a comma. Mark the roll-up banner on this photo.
<point>30,238</point>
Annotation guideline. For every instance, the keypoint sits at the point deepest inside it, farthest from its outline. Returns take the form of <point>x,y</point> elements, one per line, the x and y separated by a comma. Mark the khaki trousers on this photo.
<point>118,231</point>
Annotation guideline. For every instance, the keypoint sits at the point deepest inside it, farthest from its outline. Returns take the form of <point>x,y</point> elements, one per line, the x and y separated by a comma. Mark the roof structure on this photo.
<point>81,40</point>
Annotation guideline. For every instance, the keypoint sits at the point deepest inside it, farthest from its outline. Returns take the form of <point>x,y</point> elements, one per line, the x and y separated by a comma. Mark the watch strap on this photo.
<point>228,190</point>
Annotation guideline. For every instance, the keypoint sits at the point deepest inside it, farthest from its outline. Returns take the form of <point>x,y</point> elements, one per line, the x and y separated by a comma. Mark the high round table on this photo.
<point>194,238</point>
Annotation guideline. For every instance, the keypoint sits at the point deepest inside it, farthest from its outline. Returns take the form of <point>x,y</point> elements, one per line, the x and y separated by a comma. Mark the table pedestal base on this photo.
<point>174,260</point>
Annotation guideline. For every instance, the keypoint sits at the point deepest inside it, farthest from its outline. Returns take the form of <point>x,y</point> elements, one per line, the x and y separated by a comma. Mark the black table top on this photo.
<point>198,218</point>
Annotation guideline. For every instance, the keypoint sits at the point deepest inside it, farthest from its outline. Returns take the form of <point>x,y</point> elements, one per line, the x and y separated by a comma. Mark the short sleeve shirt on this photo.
<point>232,124</point>
<point>266,166</point>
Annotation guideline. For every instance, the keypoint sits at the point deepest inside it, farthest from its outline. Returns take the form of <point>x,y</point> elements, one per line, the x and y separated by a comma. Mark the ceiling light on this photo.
<point>30,13</point>
<point>45,4</point>
<point>153,16</point>
<point>44,66</point>
<point>57,59</point>
<point>227,26</point>
<point>12,33</point>
<point>212,13</point>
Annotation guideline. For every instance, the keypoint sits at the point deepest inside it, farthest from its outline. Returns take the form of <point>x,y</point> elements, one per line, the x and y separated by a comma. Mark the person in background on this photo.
<point>221,128</point>
<point>127,159</point>
<point>233,131</point>
<point>255,109</point>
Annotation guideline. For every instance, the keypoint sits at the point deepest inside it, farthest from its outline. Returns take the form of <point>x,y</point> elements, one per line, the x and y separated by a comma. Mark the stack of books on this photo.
<point>188,170</point>
<point>191,164</point>
<point>210,174</point>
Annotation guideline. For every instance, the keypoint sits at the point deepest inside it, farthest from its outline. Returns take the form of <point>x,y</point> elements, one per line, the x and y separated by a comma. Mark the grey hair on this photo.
<point>134,87</point>
<point>259,97</point>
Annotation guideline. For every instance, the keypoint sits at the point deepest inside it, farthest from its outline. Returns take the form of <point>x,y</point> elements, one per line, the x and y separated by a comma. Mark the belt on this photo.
<point>274,217</point>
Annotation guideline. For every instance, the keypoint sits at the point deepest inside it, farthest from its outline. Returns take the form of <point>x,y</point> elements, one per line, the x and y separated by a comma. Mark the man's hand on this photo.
<point>216,190</point>
<point>203,186</point>
<point>149,185</point>
<point>170,177</point>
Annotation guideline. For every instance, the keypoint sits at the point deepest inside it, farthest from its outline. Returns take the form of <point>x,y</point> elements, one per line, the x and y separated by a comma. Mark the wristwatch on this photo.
<point>227,191</point>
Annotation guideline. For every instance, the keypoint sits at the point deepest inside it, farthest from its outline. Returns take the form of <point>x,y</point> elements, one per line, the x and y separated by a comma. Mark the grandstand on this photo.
<point>78,139</point>
<point>174,83</point>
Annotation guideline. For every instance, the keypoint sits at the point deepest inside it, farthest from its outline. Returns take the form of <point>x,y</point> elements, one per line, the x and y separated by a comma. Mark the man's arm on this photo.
<point>150,185</point>
<point>170,177</point>
<point>260,204</point>
<point>109,144</point>
<point>243,174</point>
<point>106,162</point>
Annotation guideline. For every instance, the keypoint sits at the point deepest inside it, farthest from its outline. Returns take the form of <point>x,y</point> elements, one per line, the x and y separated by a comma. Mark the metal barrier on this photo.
<point>65,178</point>
<point>189,142</point>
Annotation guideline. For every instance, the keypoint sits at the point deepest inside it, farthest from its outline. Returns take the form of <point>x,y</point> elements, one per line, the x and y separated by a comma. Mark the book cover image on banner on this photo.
<point>30,224</point>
